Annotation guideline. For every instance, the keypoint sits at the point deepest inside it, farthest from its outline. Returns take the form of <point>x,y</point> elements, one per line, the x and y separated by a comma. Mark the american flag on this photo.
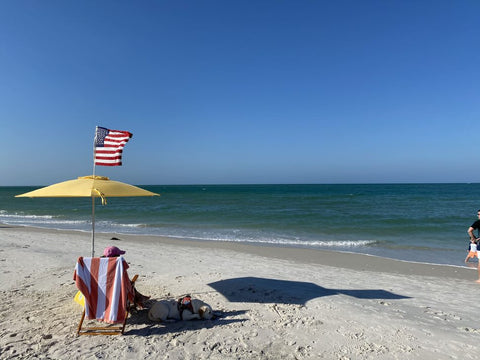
<point>109,146</point>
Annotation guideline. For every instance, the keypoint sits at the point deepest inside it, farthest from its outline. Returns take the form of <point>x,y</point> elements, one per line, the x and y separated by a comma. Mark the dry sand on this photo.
<point>272,303</point>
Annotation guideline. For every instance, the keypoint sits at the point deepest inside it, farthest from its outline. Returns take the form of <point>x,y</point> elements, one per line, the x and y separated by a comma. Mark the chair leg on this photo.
<point>125,321</point>
<point>81,322</point>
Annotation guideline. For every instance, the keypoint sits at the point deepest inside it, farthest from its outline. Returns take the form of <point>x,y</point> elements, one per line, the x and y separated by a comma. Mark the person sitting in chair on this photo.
<point>113,251</point>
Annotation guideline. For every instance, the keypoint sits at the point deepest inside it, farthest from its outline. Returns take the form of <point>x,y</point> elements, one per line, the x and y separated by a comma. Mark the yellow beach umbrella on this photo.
<point>90,186</point>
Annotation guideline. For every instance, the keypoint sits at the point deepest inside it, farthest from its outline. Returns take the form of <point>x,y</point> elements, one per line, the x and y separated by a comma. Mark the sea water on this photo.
<point>414,222</point>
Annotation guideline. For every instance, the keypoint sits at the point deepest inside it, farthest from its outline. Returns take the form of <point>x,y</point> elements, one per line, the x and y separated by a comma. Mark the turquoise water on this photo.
<point>416,222</point>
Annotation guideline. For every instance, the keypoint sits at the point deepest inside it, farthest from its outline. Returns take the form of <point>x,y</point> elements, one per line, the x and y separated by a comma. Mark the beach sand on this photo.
<point>272,303</point>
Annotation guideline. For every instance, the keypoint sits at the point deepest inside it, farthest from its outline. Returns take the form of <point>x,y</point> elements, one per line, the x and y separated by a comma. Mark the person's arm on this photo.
<point>470,233</point>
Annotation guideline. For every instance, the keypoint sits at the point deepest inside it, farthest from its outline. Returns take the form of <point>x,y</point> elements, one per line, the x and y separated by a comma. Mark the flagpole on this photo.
<point>93,197</point>
<point>93,226</point>
<point>118,139</point>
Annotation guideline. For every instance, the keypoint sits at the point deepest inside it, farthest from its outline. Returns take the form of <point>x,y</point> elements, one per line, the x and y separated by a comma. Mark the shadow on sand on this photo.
<point>250,290</point>
<point>260,290</point>
<point>140,318</point>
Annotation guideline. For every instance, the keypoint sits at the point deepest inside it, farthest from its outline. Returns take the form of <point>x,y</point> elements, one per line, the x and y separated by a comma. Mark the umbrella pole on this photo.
<point>93,197</point>
<point>93,226</point>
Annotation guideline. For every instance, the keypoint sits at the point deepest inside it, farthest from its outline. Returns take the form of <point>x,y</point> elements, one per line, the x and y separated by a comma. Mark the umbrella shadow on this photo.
<point>140,325</point>
<point>261,290</point>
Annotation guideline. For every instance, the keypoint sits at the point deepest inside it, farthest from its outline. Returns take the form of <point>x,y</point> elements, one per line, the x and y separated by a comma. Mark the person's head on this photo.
<point>473,240</point>
<point>112,251</point>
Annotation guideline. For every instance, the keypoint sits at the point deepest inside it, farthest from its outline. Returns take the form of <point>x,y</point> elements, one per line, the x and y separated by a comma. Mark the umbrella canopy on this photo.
<point>89,186</point>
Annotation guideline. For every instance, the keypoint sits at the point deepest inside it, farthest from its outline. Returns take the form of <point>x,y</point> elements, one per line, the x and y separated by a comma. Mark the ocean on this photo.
<point>412,222</point>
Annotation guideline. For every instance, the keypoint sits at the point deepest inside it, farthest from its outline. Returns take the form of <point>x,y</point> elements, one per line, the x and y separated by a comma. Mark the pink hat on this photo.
<point>112,251</point>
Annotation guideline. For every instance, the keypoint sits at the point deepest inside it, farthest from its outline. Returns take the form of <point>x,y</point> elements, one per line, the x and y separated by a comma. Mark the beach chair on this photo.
<point>108,294</point>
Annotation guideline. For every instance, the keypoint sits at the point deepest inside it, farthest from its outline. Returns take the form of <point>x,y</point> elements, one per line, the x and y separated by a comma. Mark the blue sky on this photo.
<point>225,91</point>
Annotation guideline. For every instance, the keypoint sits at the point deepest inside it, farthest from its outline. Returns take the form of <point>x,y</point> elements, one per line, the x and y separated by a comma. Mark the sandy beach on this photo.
<point>270,302</point>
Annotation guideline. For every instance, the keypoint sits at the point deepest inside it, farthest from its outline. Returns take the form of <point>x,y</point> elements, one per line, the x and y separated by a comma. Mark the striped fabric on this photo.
<point>109,146</point>
<point>105,284</point>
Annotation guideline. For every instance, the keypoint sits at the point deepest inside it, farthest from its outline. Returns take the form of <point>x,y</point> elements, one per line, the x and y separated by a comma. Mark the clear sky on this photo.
<point>251,91</point>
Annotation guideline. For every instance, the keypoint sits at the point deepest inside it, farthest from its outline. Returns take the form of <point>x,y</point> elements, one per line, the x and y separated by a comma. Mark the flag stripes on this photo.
<point>109,146</point>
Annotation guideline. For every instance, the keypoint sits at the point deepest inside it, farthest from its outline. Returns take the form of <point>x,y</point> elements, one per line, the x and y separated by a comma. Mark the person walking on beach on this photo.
<point>472,250</point>
<point>471,229</point>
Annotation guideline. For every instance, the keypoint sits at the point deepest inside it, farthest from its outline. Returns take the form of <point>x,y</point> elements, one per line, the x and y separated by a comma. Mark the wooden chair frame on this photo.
<point>107,329</point>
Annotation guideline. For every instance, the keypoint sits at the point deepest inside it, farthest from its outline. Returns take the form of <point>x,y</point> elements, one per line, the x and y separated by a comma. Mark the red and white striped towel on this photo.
<point>105,284</point>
